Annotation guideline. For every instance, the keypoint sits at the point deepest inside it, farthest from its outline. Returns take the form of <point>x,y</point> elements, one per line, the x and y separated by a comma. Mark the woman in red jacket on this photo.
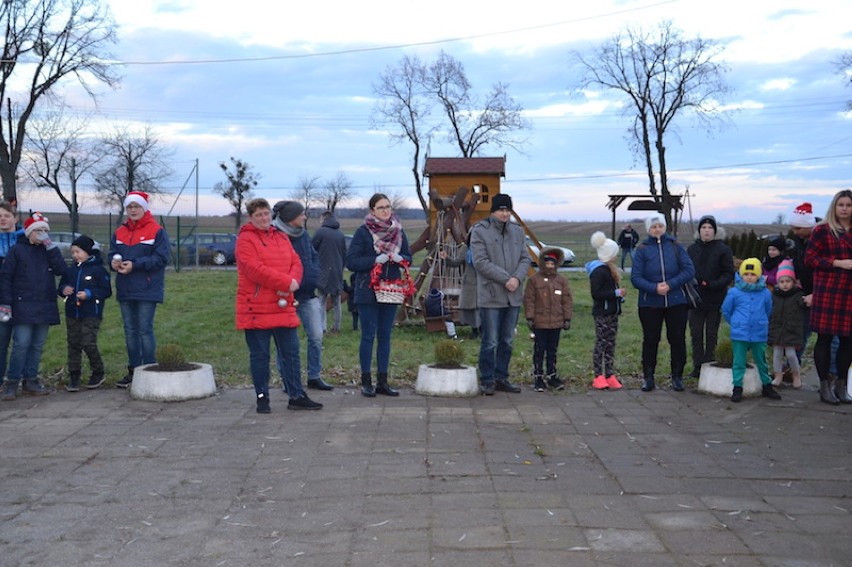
<point>269,271</point>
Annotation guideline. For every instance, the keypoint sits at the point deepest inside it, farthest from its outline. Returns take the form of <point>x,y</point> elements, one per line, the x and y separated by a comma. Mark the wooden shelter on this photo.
<point>481,175</point>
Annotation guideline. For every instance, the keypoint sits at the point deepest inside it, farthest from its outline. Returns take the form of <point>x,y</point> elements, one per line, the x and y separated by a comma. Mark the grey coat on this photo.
<point>499,253</point>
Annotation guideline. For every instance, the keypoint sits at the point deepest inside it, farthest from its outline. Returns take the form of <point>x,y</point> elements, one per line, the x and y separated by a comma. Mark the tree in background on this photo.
<point>409,92</point>
<point>844,67</point>
<point>307,192</point>
<point>129,161</point>
<point>47,41</point>
<point>336,191</point>
<point>662,76</point>
<point>241,181</point>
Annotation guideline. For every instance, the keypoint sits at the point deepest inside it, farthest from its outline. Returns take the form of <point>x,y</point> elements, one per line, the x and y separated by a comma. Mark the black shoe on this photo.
<point>124,382</point>
<point>33,387</point>
<point>10,391</point>
<point>648,384</point>
<point>319,384</point>
<point>737,396</point>
<point>487,389</point>
<point>303,403</point>
<point>769,392</point>
<point>555,383</point>
<point>506,386</point>
<point>73,384</point>
<point>385,390</point>
<point>95,382</point>
<point>263,403</point>
<point>677,384</point>
<point>539,384</point>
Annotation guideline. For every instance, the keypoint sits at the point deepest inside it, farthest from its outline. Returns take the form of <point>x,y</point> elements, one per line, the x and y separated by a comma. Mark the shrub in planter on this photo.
<point>448,354</point>
<point>170,358</point>
<point>724,353</point>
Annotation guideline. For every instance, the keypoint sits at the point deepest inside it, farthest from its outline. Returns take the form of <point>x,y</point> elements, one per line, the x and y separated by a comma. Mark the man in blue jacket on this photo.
<point>289,217</point>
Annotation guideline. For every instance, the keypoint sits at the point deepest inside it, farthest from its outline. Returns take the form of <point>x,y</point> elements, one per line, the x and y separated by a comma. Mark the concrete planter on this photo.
<point>172,386</point>
<point>719,381</point>
<point>451,382</point>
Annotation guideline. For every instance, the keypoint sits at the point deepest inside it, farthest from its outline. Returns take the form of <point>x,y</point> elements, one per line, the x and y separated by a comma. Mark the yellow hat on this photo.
<point>751,266</point>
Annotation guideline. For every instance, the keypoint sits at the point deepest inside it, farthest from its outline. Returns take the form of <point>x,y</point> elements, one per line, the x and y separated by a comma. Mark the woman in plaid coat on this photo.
<point>829,253</point>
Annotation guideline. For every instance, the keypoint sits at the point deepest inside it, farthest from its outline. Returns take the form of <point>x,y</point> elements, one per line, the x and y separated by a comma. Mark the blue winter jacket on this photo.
<point>92,277</point>
<point>360,259</point>
<point>7,240</point>
<point>28,282</point>
<point>310,265</point>
<point>656,261</point>
<point>747,308</point>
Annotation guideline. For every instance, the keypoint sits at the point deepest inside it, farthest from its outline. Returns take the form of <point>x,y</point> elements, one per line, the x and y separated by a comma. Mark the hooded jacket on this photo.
<point>747,308</point>
<point>547,299</point>
<point>330,244</point>
<point>266,264</point>
<point>28,282</point>
<point>146,244</point>
<point>92,277</point>
<point>661,260</point>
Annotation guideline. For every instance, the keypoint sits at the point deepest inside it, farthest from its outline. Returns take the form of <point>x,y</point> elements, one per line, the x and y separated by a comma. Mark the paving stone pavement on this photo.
<point>600,478</point>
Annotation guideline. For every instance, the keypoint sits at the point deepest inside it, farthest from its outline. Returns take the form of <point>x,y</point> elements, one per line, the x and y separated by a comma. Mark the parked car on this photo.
<point>63,241</point>
<point>567,252</point>
<point>215,248</point>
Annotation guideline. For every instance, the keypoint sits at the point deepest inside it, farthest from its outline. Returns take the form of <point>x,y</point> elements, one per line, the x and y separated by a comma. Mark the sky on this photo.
<point>289,90</point>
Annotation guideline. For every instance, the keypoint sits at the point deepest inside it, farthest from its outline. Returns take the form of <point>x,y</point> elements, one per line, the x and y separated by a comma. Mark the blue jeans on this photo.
<point>138,317</point>
<point>310,312</point>
<point>498,333</point>
<point>376,323</point>
<point>5,339</point>
<point>626,253</point>
<point>336,311</point>
<point>27,344</point>
<point>287,344</point>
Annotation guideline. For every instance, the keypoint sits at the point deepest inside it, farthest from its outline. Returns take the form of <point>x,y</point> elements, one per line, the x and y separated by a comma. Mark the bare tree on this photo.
<point>306,192</point>
<point>472,122</point>
<point>662,75</point>
<point>409,92</point>
<point>52,40</point>
<point>404,108</point>
<point>336,191</point>
<point>397,199</point>
<point>58,156</point>
<point>844,67</point>
<point>130,161</point>
<point>241,181</point>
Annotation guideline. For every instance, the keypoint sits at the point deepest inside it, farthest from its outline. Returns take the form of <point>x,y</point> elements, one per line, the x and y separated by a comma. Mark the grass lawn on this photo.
<point>198,315</point>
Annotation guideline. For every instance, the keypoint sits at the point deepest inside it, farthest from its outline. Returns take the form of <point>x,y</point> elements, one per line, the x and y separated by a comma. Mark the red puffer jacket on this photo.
<point>266,264</point>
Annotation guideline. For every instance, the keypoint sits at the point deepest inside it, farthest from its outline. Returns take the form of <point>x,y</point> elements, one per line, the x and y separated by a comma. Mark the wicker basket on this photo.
<point>392,291</point>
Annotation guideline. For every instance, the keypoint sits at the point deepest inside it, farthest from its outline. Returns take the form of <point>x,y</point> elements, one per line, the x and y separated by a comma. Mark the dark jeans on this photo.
<point>495,351</point>
<point>376,326</point>
<point>138,317</point>
<point>626,253</point>
<point>287,343</point>
<point>545,348</point>
<point>704,329</point>
<point>5,339</point>
<point>652,319</point>
<point>82,336</point>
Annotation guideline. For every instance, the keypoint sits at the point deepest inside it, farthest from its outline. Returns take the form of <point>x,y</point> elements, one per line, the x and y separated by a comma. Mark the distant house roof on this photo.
<point>482,165</point>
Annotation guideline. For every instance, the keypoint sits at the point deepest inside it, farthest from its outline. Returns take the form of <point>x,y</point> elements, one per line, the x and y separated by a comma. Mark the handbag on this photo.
<point>693,297</point>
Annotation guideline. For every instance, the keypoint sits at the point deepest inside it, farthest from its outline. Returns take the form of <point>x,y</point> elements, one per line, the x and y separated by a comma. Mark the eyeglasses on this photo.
<point>383,208</point>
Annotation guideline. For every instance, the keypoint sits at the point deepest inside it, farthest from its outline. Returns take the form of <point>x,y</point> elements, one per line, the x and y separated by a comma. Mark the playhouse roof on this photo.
<point>476,165</point>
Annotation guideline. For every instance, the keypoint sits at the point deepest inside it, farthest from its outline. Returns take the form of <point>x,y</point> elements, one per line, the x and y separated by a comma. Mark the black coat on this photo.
<point>92,277</point>
<point>28,282</point>
<point>786,324</point>
<point>714,271</point>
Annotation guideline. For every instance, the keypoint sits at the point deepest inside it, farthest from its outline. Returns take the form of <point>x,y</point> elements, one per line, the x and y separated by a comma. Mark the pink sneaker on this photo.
<point>612,383</point>
<point>600,383</point>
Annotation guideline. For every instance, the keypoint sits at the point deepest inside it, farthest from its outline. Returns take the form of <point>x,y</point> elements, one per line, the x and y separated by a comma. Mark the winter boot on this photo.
<point>826,392</point>
<point>382,385</point>
<point>10,390</point>
<point>841,391</point>
<point>677,384</point>
<point>554,382</point>
<point>737,396</point>
<point>367,385</point>
<point>769,392</point>
<point>73,384</point>
<point>648,382</point>
<point>32,387</point>
<point>127,380</point>
<point>539,383</point>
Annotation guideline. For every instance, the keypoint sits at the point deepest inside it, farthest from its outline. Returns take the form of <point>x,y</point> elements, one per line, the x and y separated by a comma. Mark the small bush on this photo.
<point>448,354</point>
<point>171,357</point>
<point>724,353</point>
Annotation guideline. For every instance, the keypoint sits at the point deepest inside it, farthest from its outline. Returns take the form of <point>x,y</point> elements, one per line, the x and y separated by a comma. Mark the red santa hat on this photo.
<point>138,197</point>
<point>35,222</point>
<point>803,216</point>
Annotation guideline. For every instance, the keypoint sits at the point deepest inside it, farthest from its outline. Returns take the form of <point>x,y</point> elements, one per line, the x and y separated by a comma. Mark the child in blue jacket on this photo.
<point>84,288</point>
<point>747,308</point>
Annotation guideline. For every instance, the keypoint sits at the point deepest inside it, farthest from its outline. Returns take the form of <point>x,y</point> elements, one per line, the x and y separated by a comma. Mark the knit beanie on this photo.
<point>779,243</point>
<point>606,248</point>
<point>287,210</point>
<point>501,201</point>
<point>138,197</point>
<point>35,222</point>
<point>85,243</point>
<point>708,219</point>
<point>751,266</point>
<point>785,269</point>
<point>803,216</point>
<point>655,218</point>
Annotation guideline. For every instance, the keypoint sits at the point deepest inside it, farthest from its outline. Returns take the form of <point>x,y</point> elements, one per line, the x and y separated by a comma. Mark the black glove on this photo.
<point>531,324</point>
<point>566,325</point>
